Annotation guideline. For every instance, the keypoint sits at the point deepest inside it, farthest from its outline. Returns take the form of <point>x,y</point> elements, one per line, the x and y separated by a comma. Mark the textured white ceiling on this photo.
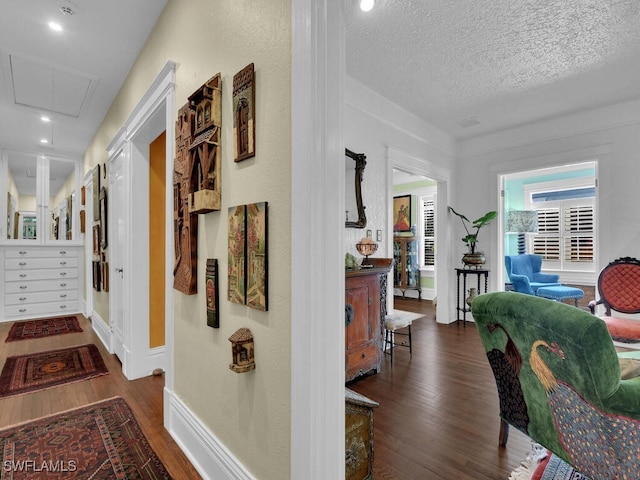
<point>497,63</point>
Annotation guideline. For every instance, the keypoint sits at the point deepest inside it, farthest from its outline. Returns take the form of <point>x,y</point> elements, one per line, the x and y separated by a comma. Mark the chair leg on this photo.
<point>410,344</point>
<point>504,433</point>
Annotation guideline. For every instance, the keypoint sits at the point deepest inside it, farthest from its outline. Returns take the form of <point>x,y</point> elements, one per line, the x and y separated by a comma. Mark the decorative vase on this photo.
<point>473,293</point>
<point>473,259</point>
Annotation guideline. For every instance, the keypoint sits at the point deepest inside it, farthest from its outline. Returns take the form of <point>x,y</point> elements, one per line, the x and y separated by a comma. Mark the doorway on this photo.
<point>563,200</point>
<point>432,192</point>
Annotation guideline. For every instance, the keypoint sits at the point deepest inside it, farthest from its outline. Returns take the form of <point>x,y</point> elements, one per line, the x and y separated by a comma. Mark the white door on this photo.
<point>117,252</point>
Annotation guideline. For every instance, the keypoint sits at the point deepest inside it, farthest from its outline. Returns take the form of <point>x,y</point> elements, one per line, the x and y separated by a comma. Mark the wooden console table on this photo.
<point>366,292</point>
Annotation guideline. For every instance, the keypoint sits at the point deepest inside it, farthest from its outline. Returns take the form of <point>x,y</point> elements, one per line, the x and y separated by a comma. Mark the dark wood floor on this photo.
<point>144,396</point>
<point>438,413</point>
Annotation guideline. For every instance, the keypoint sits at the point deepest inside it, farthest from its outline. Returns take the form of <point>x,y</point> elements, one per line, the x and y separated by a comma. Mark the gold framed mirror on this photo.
<point>355,216</point>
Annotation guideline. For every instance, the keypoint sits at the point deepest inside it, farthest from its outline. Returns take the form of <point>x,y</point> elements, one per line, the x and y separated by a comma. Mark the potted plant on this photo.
<point>471,238</point>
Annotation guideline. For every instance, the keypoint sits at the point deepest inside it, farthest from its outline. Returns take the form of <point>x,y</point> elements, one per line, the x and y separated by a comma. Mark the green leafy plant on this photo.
<point>472,237</point>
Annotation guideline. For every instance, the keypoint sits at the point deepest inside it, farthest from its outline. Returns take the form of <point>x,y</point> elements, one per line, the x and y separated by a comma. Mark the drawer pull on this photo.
<point>22,252</point>
<point>22,310</point>
<point>23,275</point>
<point>63,306</point>
<point>22,264</point>
<point>63,263</point>
<point>63,284</point>
<point>23,287</point>
<point>64,295</point>
<point>22,299</point>
<point>63,273</point>
<point>63,252</point>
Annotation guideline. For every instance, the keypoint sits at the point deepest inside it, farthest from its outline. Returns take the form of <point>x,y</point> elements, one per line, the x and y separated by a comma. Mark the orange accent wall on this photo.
<point>157,170</point>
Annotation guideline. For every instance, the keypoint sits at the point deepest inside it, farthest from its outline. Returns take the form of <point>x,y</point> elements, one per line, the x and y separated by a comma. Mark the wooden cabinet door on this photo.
<point>362,336</point>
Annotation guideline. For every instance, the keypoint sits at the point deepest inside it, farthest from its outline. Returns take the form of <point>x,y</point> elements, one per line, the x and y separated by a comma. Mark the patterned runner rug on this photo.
<point>102,441</point>
<point>43,327</point>
<point>37,371</point>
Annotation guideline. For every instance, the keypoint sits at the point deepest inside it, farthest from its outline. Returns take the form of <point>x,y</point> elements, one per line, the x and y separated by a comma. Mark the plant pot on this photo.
<point>473,259</point>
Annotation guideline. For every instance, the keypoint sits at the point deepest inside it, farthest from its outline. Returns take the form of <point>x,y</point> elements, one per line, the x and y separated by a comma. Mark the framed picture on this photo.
<point>211,286</point>
<point>402,213</point>
<point>96,193</point>
<point>96,241</point>
<point>96,276</point>
<point>257,271</point>
<point>103,218</point>
<point>236,252</point>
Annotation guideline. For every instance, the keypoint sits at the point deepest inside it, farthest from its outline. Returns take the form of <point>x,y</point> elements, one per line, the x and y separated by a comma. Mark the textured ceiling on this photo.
<point>496,63</point>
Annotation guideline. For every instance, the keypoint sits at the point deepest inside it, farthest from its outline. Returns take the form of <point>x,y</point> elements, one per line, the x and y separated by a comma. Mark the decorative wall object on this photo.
<point>96,241</point>
<point>83,221</point>
<point>96,193</point>
<point>185,226</point>
<point>105,276</point>
<point>103,218</point>
<point>237,255</point>
<point>257,271</point>
<point>211,282</point>
<point>242,353</point>
<point>96,276</point>
<point>83,192</point>
<point>244,127</point>
<point>204,147</point>
<point>402,213</point>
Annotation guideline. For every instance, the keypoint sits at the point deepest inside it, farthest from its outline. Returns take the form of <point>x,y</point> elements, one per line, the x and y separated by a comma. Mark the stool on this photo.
<point>392,324</point>
<point>560,292</point>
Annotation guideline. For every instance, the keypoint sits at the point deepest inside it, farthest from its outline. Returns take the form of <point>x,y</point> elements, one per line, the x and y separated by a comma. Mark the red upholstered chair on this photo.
<point>619,289</point>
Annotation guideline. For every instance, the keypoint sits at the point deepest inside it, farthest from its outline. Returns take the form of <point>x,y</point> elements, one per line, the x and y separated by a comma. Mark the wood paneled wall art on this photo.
<point>204,147</point>
<point>244,127</point>
<point>236,278</point>
<point>185,226</point>
<point>257,256</point>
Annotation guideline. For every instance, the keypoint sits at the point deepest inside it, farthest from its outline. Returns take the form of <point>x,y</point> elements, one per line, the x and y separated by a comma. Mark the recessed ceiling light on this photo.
<point>44,140</point>
<point>44,118</point>
<point>366,5</point>
<point>56,27</point>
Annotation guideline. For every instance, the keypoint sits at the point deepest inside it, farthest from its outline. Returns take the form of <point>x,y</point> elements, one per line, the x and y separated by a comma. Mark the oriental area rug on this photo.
<point>101,441</point>
<point>43,327</point>
<point>541,464</point>
<point>37,371</point>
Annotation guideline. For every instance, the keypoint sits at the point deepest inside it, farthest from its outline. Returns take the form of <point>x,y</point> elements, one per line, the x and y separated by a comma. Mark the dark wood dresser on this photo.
<point>366,292</point>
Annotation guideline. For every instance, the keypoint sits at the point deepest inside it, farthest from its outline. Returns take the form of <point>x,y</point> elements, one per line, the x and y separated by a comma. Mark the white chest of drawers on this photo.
<point>40,281</point>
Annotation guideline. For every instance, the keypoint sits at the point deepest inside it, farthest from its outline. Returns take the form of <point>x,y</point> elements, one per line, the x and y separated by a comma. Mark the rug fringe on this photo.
<point>529,464</point>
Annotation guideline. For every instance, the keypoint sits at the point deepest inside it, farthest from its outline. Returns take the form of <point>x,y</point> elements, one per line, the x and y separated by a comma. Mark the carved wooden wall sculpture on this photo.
<point>204,148</point>
<point>244,127</point>
<point>185,226</point>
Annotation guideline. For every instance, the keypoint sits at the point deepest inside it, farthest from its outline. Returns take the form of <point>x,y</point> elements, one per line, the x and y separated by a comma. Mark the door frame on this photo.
<point>421,166</point>
<point>151,116</point>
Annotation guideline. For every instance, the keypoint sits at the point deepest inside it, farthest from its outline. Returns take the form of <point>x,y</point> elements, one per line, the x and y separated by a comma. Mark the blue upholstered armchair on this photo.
<point>525,275</point>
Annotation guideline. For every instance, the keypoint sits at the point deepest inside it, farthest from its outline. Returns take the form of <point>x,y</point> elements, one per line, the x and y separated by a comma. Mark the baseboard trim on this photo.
<point>102,330</point>
<point>208,455</point>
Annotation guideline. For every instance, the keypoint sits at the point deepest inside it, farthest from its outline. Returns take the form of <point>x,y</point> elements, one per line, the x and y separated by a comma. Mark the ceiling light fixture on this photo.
<point>44,140</point>
<point>56,27</point>
<point>45,119</point>
<point>366,5</point>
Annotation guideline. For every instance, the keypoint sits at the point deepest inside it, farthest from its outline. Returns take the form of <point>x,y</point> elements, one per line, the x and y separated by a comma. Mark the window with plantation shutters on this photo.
<point>566,231</point>
<point>428,230</point>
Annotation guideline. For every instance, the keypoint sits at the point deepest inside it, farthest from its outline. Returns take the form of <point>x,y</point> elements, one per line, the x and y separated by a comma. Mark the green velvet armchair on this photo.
<point>559,381</point>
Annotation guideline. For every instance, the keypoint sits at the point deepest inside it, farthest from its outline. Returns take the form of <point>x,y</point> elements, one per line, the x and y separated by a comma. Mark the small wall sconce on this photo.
<point>242,351</point>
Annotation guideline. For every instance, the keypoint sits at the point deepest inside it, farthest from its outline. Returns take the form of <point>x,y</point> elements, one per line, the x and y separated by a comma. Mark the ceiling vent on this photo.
<point>67,7</point>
